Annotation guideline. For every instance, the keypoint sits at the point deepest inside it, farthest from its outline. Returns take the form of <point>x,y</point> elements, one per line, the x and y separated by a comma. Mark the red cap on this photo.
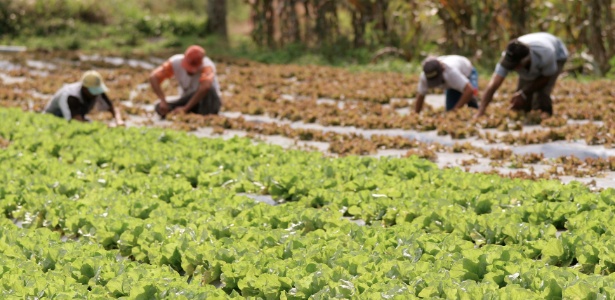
<point>193,58</point>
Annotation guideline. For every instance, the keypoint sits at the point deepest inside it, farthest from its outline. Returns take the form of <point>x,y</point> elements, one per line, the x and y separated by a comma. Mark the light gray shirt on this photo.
<point>58,105</point>
<point>545,51</point>
<point>457,71</point>
<point>190,83</point>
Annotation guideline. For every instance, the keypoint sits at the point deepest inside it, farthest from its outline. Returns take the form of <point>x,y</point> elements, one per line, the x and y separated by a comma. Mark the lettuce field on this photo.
<point>143,213</point>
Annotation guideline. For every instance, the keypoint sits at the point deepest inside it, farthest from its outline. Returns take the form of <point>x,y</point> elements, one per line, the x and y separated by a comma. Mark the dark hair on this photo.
<point>516,50</point>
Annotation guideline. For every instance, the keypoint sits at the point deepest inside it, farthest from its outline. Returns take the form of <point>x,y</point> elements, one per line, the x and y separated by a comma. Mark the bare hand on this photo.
<point>478,114</point>
<point>518,101</point>
<point>179,110</point>
<point>163,108</point>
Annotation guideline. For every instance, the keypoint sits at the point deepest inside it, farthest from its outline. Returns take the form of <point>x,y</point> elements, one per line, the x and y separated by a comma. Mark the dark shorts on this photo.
<point>209,105</point>
<point>453,96</point>
<point>540,99</point>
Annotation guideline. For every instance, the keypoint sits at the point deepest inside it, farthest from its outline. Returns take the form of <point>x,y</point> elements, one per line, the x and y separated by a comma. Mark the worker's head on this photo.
<point>517,54</point>
<point>93,81</point>
<point>193,59</point>
<point>433,70</point>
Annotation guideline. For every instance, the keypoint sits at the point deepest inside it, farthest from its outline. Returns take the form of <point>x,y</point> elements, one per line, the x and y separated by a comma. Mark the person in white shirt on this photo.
<point>453,73</point>
<point>196,75</point>
<point>75,100</point>
<point>538,58</point>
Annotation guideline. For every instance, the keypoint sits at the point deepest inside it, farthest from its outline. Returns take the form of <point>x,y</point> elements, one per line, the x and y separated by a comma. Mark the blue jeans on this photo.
<point>453,96</point>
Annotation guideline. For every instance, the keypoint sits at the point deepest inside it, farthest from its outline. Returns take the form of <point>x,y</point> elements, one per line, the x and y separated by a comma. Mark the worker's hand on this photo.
<point>518,101</point>
<point>163,108</point>
<point>179,110</point>
<point>478,114</point>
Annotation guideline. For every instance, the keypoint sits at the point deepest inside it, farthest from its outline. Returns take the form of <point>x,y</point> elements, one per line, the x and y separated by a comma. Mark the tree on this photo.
<point>216,18</point>
<point>601,34</point>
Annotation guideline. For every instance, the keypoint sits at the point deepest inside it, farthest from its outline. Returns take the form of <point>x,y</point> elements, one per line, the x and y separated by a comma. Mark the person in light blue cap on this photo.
<point>75,100</point>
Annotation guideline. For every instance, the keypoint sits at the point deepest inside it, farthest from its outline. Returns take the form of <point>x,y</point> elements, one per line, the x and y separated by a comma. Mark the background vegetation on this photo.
<point>315,31</point>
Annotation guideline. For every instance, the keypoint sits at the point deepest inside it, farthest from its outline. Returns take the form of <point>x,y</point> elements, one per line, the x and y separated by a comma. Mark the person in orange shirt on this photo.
<point>196,75</point>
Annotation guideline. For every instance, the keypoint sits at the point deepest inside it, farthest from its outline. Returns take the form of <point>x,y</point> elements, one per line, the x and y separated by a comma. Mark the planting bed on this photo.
<point>341,112</point>
<point>146,213</point>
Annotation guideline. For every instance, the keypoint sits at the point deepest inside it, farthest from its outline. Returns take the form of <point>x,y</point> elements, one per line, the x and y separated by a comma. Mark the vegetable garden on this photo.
<point>95,212</point>
<point>90,211</point>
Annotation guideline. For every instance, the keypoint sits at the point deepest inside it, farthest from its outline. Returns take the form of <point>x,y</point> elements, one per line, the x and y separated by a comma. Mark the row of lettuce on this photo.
<point>90,211</point>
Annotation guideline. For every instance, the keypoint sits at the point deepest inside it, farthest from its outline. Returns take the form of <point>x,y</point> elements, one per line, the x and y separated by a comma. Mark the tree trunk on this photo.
<point>358,27</point>
<point>362,12</point>
<point>290,22</point>
<point>325,27</point>
<point>216,18</point>
<point>597,40</point>
<point>609,29</point>
<point>380,15</point>
<point>518,15</point>
<point>257,22</point>
<point>270,22</point>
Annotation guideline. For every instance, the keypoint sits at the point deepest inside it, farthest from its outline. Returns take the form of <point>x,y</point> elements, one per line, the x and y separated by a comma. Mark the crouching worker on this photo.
<point>453,73</point>
<point>199,87</point>
<point>75,100</point>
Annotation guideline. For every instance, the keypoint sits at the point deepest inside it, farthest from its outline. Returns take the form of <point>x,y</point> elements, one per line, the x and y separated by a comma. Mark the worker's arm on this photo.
<point>205,83</point>
<point>494,84</point>
<point>200,94</point>
<point>77,109</point>
<point>466,96</point>
<point>160,74</point>
<point>521,95</point>
<point>153,80</point>
<point>418,103</point>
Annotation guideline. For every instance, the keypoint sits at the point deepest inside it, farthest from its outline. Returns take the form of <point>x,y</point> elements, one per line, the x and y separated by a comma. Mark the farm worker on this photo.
<point>453,73</point>
<point>538,58</point>
<point>75,100</point>
<point>199,87</point>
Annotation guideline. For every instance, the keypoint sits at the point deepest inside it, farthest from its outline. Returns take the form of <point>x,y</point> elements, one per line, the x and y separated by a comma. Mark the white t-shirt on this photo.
<point>190,83</point>
<point>457,71</point>
<point>545,51</point>
<point>58,105</point>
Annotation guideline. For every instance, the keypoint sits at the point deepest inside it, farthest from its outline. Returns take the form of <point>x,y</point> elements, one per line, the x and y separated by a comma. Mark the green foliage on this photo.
<point>148,213</point>
<point>89,21</point>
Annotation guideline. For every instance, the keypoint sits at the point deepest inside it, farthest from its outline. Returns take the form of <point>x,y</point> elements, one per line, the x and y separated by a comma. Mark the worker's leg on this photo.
<point>452,97</point>
<point>210,104</point>
<point>542,98</point>
<point>527,104</point>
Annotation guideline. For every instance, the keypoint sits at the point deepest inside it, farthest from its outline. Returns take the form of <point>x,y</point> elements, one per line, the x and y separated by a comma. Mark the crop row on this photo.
<point>168,202</point>
<point>369,101</point>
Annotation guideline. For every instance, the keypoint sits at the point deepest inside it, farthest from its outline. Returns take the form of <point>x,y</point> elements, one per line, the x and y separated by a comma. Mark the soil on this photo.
<point>29,81</point>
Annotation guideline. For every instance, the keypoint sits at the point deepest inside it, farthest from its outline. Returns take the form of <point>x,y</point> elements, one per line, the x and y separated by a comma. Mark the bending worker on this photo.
<point>453,73</point>
<point>75,100</point>
<point>199,87</point>
<point>538,58</point>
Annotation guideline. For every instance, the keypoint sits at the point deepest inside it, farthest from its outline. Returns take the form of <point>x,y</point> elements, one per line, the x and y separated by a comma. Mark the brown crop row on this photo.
<point>336,97</point>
